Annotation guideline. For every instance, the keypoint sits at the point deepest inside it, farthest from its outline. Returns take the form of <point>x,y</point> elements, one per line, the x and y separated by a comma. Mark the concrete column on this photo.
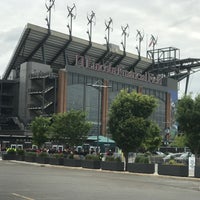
<point>62,92</point>
<point>168,110</point>
<point>104,118</point>
<point>139,90</point>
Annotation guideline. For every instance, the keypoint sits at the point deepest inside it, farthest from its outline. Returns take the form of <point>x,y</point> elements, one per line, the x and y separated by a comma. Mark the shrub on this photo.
<point>78,157</point>
<point>75,156</point>
<point>173,162</point>
<point>71,156</point>
<point>43,154</point>
<point>118,159</point>
<point>20,152</point>
<point>31,154</point>
<point>141,159</point>
<point>92,157</point>
<point>112,158</point>
<point>57,155</point>
<point>109,158</point>
<point>11,151</point>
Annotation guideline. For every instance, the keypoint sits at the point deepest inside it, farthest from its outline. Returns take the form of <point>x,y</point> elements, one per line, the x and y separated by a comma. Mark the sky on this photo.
<point>176,23</point>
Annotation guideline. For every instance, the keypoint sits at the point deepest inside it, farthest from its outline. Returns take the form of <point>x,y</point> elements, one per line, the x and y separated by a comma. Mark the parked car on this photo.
<point>183,158</point>
<point>171,156</point>
<point>160,153</point>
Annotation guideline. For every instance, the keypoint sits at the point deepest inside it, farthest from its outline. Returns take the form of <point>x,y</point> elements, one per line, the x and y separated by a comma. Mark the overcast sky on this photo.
<point>176,23</point>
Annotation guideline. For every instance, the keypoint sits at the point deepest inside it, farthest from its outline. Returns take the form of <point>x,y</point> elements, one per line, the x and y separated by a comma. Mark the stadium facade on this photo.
<point>52,72</point>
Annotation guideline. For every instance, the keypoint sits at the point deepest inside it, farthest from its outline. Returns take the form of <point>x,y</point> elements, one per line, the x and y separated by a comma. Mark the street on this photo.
<point>19,181</point>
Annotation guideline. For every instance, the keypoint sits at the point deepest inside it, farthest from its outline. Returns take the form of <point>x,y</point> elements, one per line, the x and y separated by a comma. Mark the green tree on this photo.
<point>152,138</point>
<point>188,117</point>
<point>179,141</point>
<point>128,120</point>
<point>70,127</point>
<point>40,129</point>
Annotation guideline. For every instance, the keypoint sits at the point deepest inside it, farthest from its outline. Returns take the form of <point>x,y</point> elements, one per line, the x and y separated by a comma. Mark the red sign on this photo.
<point>118,71</point>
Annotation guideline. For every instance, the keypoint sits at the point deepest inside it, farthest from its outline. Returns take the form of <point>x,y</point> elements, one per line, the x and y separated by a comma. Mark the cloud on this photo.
<point>8,43</point>
<point>175,22</point>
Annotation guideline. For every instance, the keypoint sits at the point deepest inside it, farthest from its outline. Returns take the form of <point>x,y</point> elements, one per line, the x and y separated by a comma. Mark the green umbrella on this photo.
<point>102,139</point>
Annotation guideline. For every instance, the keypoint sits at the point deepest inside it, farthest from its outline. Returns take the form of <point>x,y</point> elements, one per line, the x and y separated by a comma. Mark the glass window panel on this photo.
<point>81,79</point>
<point>69,78</point>
<point>75,97</point>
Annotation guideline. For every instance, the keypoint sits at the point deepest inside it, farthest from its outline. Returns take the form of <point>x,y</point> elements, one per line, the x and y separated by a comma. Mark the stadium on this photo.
<point>52,72</point>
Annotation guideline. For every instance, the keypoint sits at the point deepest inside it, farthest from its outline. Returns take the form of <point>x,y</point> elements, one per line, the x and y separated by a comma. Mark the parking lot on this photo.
<point>36,182</point>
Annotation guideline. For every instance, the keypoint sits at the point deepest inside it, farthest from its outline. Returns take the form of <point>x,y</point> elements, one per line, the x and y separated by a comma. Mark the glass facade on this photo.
<point>159,114</point>
<point>82,96</point>
<point>116,87</point>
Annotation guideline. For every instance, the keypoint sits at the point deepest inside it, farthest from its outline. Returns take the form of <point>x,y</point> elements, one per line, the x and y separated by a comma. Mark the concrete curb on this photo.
<point>105,171</point>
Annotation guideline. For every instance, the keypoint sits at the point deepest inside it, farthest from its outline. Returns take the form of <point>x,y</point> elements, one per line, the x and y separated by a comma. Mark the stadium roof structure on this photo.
<point>58,50</point>
<point>168,63</point>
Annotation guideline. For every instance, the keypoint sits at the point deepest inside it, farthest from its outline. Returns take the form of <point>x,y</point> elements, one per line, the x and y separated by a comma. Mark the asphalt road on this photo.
<point>20,181</point>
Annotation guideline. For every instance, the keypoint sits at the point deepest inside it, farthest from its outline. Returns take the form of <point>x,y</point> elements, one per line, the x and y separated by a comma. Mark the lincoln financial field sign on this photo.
<point>89,64</point>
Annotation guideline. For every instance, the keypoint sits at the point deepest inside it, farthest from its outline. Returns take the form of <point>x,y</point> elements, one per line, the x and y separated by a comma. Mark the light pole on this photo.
<point>99,85</point>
